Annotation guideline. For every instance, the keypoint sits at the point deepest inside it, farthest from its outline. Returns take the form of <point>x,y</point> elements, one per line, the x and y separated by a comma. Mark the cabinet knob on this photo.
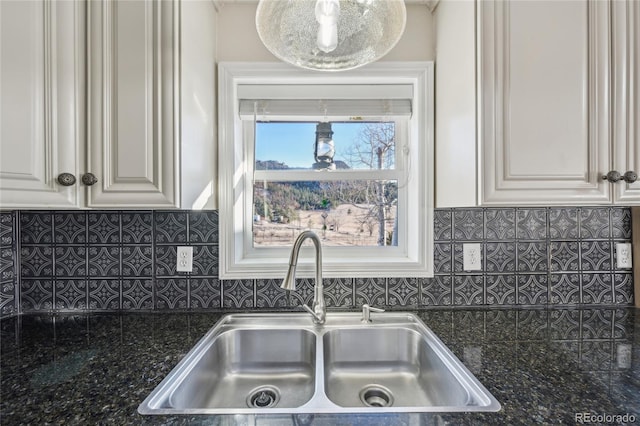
<point>89,179</point>
<point>613,176</point>
<point>66,179</point>
<point>630,176</point>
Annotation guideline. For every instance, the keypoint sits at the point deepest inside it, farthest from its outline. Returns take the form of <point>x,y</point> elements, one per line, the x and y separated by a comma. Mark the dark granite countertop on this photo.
<point>544,366</point>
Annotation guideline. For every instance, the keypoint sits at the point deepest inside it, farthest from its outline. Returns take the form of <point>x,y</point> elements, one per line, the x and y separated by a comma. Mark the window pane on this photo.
<point>358,145</point>
<point>342,213</point>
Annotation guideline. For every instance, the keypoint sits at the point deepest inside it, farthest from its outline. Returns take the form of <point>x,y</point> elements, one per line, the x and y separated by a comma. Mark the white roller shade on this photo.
<point>338,100</point>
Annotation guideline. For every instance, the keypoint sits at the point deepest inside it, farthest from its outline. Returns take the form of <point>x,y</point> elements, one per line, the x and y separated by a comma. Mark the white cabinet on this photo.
<point>149,115</point>
<point>557,102</point>
<point>42,114</point>
<point>626,96</point>
<point>556,112</point>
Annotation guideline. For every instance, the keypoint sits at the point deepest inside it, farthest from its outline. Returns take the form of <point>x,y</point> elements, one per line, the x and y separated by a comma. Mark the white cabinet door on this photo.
<point>543,107</point>
<point>133,88</point>
<point>626,97</point>
<point>42,116</point>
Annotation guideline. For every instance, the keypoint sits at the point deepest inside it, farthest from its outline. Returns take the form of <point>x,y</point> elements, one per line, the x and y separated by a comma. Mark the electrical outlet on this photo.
<point>471,257</point>
<point>624,355</point>
<point>623,255</point>
<point>184,262</point>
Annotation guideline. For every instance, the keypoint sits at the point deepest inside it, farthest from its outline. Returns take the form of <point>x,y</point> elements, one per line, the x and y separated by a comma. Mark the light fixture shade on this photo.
<point>294,31</point>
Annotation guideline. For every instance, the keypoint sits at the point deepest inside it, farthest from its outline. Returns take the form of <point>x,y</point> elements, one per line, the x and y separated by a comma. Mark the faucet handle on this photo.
<point>366,312</point>
<point>318,318</point>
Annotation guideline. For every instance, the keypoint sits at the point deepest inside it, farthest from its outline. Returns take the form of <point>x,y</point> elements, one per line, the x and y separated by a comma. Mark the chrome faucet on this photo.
<point>318,309</point>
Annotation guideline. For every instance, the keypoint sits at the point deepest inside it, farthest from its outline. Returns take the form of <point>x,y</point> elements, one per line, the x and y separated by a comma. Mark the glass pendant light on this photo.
<point>330,35</point>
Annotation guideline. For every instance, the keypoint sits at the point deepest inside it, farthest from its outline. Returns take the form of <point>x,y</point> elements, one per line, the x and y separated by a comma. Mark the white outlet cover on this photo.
<point>184,261</point>
<point>623,255</point>
<point>471,257</point>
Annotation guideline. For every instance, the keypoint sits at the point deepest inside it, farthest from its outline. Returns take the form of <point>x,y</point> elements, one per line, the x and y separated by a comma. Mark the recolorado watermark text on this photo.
<point>587,418</point>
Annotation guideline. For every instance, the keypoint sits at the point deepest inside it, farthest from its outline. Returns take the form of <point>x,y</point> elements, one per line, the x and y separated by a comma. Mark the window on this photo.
<point>348,155</point>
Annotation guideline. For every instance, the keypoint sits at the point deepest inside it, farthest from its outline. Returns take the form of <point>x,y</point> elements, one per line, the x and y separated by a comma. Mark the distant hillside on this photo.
<point>279,165</point>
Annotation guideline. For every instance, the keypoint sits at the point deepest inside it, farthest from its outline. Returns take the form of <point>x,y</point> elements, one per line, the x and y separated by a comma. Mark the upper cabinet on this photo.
<point>149,112</point>
<point>42,114</point>
<point>557,101</point>
<point>550,105</point>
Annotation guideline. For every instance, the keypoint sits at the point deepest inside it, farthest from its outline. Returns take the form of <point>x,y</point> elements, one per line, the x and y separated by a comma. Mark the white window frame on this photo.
<point>413,257</point>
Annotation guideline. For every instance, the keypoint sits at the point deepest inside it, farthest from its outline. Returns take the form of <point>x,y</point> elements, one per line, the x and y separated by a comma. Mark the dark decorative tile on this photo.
<point>7,299</point>
<point>36,295</point>
<point>595,256</point>
<point>70,227</point>
<point>205,293</point>
<point>532,325</point>
<point>171,293</point>
<point>565,324</point>
<point>623,288</point>
<point>7,265</point>
<point>104,261</point>
<point>205,260</point>
<point>533,289</point>
<point>36,228</point>
<point>458,257</point>
<point>442,224</point>
<point>171,227</point>
<point>303,294</point>
<point>166,261</point>
<point>468,290</point>
<point>468,224</point>
<point>70,261</point>
<point>594,223</point>
<point>442,257</point>
<point>565,256</point>
<point>532,257</point>
<point>621,223</point>
<point>371,291</point>
<point>6,229</point>
<point>104,295</point>
<point>436,291</point>
<point>237,293</point>
<point>137,227</point>
<point>565,289</point>
<point>563,223</point>
<point>338,292</point>
<point>595,356</point>
<point>270,295</point>
<point>137,294</point>
<point>70,295</point>
<point>36,261</point>
<point>402,292</point>
<point>597,289</point>
<point>104,227</point>
<point>203,227</point>
<point>136,261</point>
<point>501,289</point>
<point>500,224</point>
<point>531,224</point>
<point>500,257</point>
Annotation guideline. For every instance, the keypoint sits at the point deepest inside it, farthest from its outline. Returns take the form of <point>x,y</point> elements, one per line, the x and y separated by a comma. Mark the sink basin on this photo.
<point>382,367</point>
<point>283,363</point>
<point>244,368</point>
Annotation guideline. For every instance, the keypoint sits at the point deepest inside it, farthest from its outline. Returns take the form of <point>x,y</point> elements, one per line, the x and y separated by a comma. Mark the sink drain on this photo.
<point>263,397</point>
<point>376,396</point>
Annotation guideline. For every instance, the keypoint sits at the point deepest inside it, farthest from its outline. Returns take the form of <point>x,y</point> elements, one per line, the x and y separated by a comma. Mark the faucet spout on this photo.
<point>318,309</point>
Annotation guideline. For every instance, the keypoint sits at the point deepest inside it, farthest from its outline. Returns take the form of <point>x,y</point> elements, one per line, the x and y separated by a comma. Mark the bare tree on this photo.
<point>375,149</point>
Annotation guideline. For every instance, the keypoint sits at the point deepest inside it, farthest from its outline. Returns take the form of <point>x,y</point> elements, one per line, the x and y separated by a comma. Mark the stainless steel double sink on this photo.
<point>283,363</point>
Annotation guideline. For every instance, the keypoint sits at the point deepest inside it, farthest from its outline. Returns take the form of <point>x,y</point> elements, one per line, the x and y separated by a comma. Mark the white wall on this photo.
<point>237,38</point>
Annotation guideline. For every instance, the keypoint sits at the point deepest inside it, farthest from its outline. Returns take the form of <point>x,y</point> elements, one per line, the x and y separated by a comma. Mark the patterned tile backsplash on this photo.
<point>125,260</point>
